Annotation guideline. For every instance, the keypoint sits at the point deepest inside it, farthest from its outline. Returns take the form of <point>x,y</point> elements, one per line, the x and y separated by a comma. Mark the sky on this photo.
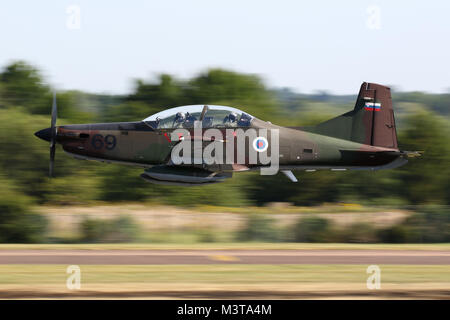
<point>101,46</point>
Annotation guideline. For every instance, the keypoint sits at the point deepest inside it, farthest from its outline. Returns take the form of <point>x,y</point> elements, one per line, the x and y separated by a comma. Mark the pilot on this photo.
<point>180,118</point>
<point>231,119</point>
<point>244,121</point>
<point>189,121</point>
<point>190,117</point>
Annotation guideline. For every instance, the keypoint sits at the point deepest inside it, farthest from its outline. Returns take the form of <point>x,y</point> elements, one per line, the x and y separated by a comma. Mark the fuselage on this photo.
<point>140,144</point>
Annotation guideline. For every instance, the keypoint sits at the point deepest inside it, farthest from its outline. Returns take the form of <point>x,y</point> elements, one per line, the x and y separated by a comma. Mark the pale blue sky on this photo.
<point>304,46</point>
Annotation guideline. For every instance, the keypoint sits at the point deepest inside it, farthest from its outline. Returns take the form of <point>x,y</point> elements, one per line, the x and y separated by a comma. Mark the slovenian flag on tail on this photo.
<point>372,106</point>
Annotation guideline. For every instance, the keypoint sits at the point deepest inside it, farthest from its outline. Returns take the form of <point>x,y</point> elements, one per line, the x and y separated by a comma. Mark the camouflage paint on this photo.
<point>363,138</point>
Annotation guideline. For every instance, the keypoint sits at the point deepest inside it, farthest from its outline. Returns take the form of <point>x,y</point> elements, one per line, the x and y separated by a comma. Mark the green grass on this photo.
<point>234,246</point>
<point>222,274</point>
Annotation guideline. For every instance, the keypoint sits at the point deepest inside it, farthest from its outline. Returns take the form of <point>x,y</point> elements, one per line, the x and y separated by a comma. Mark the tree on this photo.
<point>311,229</point>
<point>425,179</point>
<point>163,94</point>
<point>218,86</point>
<point>22,85</point>
<point>17,223</point>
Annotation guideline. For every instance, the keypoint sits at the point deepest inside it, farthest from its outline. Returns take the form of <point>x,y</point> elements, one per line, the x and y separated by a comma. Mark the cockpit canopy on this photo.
<point>210,116</point>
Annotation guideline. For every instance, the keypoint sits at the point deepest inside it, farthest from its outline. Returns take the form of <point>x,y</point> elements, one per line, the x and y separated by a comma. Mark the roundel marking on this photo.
<point>260,144</point>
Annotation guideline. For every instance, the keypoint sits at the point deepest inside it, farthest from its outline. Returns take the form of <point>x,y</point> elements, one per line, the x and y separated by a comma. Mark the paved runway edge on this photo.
<point>160,257</point>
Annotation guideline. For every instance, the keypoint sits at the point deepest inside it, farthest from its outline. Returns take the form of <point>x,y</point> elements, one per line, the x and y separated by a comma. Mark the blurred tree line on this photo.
<point>25,103</point>
<point>429,224</point>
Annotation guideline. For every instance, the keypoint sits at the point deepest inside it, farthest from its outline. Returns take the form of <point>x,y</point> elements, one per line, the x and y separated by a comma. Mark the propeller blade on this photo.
<point>54,115</point>
<point>52,160</point>
<point>53,136</point>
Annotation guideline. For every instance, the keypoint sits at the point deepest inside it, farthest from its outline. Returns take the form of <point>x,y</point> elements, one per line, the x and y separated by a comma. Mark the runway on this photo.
<point>201,257</point>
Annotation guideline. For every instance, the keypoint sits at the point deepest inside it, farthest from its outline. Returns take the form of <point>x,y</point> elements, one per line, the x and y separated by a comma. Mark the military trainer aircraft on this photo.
<point>362,139</point>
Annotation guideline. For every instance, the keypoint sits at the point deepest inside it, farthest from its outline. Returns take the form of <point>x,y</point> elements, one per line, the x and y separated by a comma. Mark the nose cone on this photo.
<point>44,134</point>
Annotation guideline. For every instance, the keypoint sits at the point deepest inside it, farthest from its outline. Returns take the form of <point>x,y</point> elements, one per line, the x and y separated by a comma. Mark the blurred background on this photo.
<point>290,63</point>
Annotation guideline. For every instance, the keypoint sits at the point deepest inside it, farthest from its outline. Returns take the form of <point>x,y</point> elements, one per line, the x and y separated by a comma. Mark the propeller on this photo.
<point>53,136</point>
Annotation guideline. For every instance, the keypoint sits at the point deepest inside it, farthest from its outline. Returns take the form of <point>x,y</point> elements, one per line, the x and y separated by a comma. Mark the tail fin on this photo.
<point>371,122</point>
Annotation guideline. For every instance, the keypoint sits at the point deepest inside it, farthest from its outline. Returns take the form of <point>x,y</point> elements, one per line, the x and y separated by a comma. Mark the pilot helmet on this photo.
<point>232,117</point>
<point>180,116</point>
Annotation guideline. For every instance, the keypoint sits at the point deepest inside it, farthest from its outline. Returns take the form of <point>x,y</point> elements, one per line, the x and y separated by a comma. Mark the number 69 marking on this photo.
<point>98,142</point>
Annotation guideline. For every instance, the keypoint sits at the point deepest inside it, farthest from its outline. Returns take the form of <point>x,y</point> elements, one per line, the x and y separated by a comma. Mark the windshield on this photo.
<point>209,116</point>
